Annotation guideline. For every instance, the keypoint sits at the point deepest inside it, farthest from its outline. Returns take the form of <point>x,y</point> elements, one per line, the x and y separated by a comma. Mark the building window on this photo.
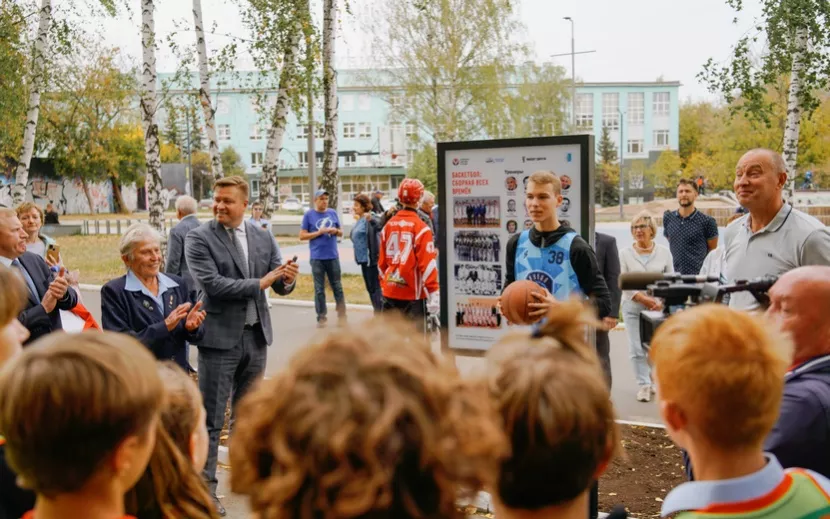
<point>636,146</point>
<point>223,106</point>
<point>364,102</point>
<point>585,110</point>
<point>396,102</point>
<point>302,131</point>
<point>411,130</point>
<point>302,159</point>
<point>365,130</point>
<point>410,155</point>
<point>254,188</point>
<point>348,131</point>
<point>258,132</point>
<point>610,115</point>
<point>661,104</point>
<point>223,132</point>
<point>636,108</point>
<point>350,161</point>
<point>346,103</point>
<point>661,138</point>
<point>319,130</point>
<point>256,159</point>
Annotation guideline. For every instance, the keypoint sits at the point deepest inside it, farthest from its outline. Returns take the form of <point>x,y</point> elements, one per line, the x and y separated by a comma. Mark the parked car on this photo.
<point>291,204</point>
<point>206,203</point>
<point>387,203</point>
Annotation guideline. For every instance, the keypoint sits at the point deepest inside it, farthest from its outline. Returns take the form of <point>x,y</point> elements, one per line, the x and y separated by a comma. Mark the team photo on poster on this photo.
<point>478,280</point>
<point>477,212</point>
<point>478,313</point>
<point>478,246</point>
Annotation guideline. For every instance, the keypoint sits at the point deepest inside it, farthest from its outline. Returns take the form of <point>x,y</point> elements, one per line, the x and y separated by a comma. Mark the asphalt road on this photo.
<point>294,326</point>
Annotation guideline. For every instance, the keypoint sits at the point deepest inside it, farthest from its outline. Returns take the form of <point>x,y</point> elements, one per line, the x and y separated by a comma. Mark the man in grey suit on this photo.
<point>233,261</point>
<point>608,261</point>
<point>176,262</point>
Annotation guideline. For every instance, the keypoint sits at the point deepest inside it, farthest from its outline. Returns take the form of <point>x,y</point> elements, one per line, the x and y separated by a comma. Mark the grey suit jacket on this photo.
<point>216,268</point>
<point>608,261</point>
<point>176,262</point>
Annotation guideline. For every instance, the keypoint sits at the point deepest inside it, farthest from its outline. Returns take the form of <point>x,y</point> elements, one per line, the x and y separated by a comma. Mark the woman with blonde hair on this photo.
<point>550,393</point>
<point>644,255</point>
<point>172,487</point>
<point>365,423</point>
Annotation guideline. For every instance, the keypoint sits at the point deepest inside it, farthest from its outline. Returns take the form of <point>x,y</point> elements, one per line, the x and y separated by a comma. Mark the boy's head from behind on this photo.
<point>80,411</point>
<point>555,408</point>
<point>720,377</point>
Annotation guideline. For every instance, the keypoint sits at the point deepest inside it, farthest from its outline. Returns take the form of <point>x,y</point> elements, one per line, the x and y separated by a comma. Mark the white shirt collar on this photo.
<point>6,261</point>
<point>239,228</point>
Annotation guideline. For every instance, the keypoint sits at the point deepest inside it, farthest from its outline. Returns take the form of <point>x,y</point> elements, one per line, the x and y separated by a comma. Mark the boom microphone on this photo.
<point>641,280</point>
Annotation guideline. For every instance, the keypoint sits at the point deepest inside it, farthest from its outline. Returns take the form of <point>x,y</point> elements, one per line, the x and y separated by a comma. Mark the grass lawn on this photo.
<point>98,260</point>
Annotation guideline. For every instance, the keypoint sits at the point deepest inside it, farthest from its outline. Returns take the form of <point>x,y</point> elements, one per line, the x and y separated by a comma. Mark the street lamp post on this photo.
<point>622,185</point>
<point>573,75</point>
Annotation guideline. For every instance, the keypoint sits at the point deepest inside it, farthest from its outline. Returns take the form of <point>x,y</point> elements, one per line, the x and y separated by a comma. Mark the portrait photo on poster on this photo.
<point>477,312</point>
<point>479,246</point>
<point>512,226</point>
<point>510,184</point>
<point>478,280</point>
<point>476,212</point>
<point>511,207</point>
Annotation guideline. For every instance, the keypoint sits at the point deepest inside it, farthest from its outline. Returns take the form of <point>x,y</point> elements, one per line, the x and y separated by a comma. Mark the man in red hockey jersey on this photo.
<point>408,270</point>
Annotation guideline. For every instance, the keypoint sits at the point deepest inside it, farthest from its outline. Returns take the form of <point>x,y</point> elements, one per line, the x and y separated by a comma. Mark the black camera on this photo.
<point>679,292</point>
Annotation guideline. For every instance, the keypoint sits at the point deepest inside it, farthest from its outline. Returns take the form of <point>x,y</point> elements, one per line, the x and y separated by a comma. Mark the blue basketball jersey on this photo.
<point>550,266</point>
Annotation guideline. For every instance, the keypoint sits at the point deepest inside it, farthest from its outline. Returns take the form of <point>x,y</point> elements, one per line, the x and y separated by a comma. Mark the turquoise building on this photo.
<point>375,149</point>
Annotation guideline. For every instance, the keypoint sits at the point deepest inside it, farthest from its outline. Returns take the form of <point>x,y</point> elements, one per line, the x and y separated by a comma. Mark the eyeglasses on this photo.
<point>637,227</point>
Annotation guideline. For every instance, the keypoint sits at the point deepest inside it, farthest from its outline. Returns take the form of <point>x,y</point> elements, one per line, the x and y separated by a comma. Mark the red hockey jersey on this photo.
<point>407,258</point>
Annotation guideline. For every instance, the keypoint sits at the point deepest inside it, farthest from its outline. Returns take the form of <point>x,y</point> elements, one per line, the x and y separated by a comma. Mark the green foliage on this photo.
<point>665,172</point>
<point>425,167</point>
<point>745,84</point>
<point>232,162</point>
<point>607,179</point>
<point>536,106</point>
<point>14,48</point>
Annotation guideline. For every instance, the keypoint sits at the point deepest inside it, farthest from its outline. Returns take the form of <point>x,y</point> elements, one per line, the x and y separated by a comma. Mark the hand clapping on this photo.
<point>195,317</point>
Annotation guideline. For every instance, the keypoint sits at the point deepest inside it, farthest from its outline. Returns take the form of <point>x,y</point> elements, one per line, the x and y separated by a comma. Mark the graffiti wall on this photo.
<point>68,195</point>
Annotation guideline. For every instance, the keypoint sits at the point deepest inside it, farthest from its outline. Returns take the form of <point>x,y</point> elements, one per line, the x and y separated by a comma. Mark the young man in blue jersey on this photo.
<point>553,255</point>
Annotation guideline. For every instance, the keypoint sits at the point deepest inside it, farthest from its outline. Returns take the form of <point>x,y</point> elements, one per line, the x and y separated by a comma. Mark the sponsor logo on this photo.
<point>491,160</point>
<point>570,157</point>
<point>541,278</point>
<point>395,277</point>
<point>533,159</point>
<point>514,172</point>
<point>325,223</point>
<point>460,162</point>
<point>455,162</point>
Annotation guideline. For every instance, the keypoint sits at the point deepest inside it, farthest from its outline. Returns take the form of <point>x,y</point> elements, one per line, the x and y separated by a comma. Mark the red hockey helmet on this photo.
<point>410,191</point>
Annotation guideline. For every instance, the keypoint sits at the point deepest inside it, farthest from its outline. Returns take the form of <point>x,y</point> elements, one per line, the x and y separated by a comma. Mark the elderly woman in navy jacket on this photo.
<point>155,308</point>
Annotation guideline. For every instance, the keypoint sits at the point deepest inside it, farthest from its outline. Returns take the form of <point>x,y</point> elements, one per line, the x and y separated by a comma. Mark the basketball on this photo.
<point>515,300</point>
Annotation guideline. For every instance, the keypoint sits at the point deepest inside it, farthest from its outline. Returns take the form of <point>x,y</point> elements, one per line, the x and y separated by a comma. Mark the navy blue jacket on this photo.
<point>34,316</point>
<point>801,437</point>
<point>136,314</point>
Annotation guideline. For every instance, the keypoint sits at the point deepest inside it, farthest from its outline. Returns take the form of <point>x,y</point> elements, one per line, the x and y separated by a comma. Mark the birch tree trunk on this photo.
<point>204,91</point>
<point>33,111</point>
<point>329,174</point>
<point>148,116</point>
<point>270,166</point>
<point>791,130</point>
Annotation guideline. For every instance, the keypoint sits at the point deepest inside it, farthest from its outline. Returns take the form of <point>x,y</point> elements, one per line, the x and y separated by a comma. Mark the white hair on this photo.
<point>137,234</point>
<point>186,205</point>
<point>428,197</point>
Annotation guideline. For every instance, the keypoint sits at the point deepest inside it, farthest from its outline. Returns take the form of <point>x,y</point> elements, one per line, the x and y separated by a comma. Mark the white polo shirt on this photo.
<point>792,239</point>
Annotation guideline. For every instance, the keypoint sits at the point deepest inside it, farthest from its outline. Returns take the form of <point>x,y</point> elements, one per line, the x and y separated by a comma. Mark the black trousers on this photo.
<point>604,352</point>
<point>414,310</point>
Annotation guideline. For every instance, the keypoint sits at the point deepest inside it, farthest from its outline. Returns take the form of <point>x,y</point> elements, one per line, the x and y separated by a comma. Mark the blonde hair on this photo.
<point>737,362</point>
<point>368,422</point>
<point>69,400</point>
<point>547,177</point>
<point>645,217</point>
<point>551,395</point>
<point>25,207</point>
<point>233,181</point>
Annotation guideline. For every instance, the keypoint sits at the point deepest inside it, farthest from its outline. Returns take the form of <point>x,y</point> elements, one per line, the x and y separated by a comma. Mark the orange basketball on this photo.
<point>515,300</point>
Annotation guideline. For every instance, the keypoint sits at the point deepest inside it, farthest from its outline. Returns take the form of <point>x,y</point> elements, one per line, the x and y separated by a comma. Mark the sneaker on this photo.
<point>644,394</point>
<point>321,323</point>
<point>220,510</point>
<point>653,389</point>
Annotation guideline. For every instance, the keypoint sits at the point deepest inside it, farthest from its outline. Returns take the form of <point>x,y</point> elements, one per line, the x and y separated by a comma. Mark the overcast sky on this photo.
<point>634,40</point>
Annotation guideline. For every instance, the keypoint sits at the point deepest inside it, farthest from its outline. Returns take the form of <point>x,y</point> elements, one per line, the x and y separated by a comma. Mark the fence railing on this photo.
<point>119,226</point>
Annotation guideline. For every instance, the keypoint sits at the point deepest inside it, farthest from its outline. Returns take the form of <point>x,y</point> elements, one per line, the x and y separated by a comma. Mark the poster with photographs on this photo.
<point>482,185</point>
<point>478,280</point>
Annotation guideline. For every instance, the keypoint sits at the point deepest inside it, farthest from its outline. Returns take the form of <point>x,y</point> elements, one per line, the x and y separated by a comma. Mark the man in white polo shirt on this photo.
<point>773,237</point>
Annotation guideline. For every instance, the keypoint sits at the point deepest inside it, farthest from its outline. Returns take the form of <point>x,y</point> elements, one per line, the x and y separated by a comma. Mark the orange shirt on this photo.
<point>407,261</point>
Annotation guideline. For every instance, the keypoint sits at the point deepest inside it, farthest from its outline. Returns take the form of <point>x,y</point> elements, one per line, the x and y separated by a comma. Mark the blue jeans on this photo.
<point>371,278</point>
<point>319,270</point>
<point>636,352</point>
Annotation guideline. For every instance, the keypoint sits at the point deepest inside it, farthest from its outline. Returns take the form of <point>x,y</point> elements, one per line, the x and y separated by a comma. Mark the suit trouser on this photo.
<point>604,353</point>
<point>225,374</point>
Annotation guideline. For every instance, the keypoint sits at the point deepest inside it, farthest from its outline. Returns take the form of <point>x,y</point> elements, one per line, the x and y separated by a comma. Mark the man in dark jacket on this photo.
<point>608,260</point>
<point>377,207</point>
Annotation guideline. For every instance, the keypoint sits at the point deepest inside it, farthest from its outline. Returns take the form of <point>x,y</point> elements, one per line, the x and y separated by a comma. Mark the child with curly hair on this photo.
<point>365,423</point>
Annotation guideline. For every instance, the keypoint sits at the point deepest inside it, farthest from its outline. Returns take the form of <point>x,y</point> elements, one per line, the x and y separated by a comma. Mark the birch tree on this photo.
<point>204,90</point>
<point>328,179</point>
<point>149,106</point>
<point>796,35</point>
<point>33,109</point>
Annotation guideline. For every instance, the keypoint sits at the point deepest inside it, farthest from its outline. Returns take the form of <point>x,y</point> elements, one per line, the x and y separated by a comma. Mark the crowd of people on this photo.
<point>366,421</point>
